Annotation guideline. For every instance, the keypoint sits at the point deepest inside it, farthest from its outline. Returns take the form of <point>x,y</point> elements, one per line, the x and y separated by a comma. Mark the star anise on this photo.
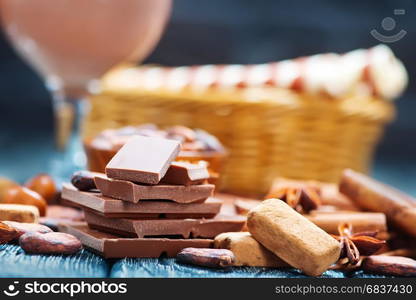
<point>302,199</point>
<point>355,245</point>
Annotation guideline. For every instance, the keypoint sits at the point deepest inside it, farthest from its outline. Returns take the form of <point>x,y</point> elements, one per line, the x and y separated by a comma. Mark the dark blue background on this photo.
<point>235,31</point>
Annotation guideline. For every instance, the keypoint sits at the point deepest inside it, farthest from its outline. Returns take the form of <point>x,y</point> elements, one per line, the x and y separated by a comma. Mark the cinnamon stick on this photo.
<point>375,196</point>
<point>360,221</point>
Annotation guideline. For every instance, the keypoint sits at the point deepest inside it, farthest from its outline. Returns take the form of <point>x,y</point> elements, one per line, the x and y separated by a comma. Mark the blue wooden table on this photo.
<point>15,263</point>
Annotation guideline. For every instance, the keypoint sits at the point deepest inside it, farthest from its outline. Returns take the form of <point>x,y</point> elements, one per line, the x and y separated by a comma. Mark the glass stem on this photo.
<point>68,114</point>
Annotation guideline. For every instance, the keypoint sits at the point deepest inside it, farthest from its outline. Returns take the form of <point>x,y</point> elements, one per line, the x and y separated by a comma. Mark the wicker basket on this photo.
<point>269,132</point>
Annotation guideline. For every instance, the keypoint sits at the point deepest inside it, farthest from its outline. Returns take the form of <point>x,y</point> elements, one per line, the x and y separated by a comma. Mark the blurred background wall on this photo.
<point>241,31</point>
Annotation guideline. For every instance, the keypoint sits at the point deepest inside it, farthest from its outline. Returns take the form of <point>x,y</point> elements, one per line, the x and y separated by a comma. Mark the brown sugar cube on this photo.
<point>292,237</point>
<point>19,213</point>
<point>247,251</point>
<point>143,159</point>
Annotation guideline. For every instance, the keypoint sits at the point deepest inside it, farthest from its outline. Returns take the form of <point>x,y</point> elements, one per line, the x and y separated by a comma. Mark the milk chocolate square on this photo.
<point>143,159</point>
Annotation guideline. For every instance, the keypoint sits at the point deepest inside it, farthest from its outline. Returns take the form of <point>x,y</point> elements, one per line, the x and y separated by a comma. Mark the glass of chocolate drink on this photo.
<point>72,43</point>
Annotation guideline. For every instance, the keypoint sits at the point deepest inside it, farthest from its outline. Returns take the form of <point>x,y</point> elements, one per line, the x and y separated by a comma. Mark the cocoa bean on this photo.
<point>5,184</point>
<point>23,228</point>
<point>83,180</point>
<point>57,214</point>
<point>243,206</point>
<point>49,243</point>
<point>7,233</point>
<point>207,257</point>
<point>181,133</point>
<point>392,265</point>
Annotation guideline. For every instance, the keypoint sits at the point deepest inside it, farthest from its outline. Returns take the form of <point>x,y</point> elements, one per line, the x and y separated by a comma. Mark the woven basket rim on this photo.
<point>360,106</point>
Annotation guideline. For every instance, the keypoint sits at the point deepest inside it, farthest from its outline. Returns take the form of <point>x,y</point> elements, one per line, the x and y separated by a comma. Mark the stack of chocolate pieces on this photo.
<point>147,204</point>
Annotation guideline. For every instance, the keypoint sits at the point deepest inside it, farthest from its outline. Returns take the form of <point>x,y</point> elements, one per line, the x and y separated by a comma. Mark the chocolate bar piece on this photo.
<point>143,159</point>
<point>132,192</point>
<point>114,208</point>
<point>111,246</point>
<point>186,228</point>
<point>392,265</point>
<point>375,196</point>
<point>360,221</point>
<point>185,173</point>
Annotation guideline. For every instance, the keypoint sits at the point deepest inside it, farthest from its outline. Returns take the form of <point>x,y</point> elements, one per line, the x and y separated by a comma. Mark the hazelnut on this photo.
<point>44,185</point>
<point>83,180</point>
